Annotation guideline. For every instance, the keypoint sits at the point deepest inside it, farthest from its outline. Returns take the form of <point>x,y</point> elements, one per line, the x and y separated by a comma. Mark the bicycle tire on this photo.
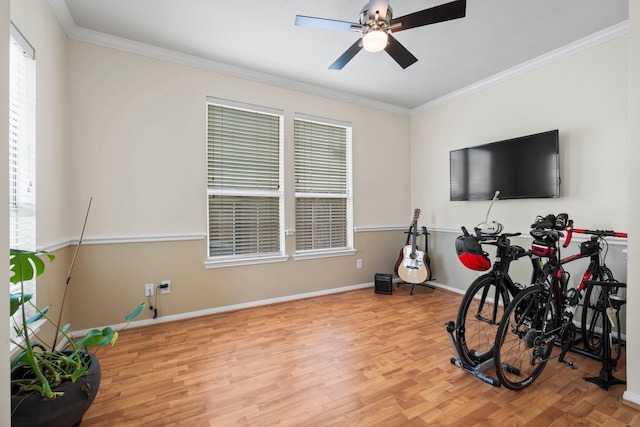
<point>478,318</point>
<point>591,326</point>
<point>519,357</point>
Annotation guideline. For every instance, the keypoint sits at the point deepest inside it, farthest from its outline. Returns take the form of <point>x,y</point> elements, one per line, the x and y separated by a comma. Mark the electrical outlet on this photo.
<point>148,290</point>
<point>165,289</point>
<point>359,263</point>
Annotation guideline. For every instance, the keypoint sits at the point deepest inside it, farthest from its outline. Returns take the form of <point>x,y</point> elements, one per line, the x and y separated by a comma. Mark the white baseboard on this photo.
<point>234,307</point>
<point>631,397</point>
<point>447,288</point>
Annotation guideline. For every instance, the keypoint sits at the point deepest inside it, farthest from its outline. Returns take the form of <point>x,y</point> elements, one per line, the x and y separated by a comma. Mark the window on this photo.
<point>22,144</point>
<point>323,185</point>
<point>244,185</point>
<point>22,102</point>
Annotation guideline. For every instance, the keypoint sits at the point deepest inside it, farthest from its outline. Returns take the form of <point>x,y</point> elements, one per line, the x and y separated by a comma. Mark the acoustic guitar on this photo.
<point>413,266</point>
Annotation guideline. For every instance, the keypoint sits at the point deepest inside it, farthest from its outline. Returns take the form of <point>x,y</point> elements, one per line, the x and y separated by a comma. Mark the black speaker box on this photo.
<point>383,283</point>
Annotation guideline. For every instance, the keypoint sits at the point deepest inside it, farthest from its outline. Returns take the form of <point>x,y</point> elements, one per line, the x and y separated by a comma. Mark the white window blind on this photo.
<point>245,195</point>
<point>22,155</point>
<point>323,185</point>
<point>22,104</point>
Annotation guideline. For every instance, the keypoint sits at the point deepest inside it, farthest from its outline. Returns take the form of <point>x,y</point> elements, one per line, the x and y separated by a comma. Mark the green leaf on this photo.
<point>25,265</point>
<point>38,315</point>
<point>135,312</point>
<point>79,372</point>
<point>114,338</point>
<point>96,337</point>
<point>109,335</point>
<point>18,360</point>
<point>16,300</point>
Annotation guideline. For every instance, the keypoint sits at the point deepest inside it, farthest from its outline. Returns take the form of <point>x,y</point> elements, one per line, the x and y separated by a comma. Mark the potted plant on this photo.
<point>50,386</point>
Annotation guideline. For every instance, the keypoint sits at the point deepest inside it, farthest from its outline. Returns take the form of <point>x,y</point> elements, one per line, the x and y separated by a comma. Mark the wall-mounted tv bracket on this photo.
<point>475,370</point>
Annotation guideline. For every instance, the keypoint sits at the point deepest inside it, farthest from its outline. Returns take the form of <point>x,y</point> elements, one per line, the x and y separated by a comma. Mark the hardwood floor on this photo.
<point>350,359</point>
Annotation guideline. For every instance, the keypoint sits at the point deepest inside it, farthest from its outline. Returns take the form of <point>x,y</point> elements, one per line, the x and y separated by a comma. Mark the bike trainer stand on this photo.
<point>475,370</point>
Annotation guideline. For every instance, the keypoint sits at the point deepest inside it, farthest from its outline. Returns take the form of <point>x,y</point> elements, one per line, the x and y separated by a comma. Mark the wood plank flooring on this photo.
<point>350,359</point>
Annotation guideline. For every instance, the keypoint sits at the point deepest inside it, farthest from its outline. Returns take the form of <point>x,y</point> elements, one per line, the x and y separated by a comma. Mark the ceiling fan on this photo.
<point>376,24</point>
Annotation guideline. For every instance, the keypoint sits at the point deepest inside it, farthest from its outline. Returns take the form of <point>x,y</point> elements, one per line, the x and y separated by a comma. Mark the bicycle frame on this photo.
<point>541,316</point>
<point>505,254</point>
<point>595,263</point>
<point>558,292</point>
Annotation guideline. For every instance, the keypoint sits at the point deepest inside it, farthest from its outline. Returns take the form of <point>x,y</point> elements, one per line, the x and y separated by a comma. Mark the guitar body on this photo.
<point>427,263</point>
<point>413,268</point>
<point>401,255</point>
<point>427,260</point>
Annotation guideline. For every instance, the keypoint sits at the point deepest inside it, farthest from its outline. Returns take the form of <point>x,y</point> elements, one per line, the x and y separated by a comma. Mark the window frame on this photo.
<point>22,162</point>
<point>347,195</point>
<point>253,258</point>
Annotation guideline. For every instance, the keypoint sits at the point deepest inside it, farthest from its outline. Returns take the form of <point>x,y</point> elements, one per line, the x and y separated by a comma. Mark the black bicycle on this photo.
<point>591,319</point>
<point>483,303</point>
<point>542,315</point>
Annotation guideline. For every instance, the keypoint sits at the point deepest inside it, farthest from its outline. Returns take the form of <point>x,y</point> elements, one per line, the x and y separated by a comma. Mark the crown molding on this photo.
<point>593,40</point>
<point>74,32</point>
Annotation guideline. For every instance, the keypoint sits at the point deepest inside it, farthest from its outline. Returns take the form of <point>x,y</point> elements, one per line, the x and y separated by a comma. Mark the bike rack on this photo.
<point>606,379</point>
<point>475,370</point>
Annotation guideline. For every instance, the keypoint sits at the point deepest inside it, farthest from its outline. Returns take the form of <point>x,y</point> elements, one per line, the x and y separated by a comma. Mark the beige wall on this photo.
<point>139,141</point>
<point>138,148</point>
<point>108,279</point>
<point>583,95</point>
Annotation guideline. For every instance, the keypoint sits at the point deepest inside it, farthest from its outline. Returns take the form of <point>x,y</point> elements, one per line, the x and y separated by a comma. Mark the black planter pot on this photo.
<point>64,411</point>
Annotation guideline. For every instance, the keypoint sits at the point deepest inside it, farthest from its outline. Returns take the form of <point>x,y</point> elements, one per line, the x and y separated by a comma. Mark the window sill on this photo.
<point>323,254</point>
<point>232,261</point>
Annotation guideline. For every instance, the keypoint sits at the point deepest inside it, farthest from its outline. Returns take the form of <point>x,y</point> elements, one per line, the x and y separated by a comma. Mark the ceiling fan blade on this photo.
<point>331,24</point>
<point>347,56</point>
<point>444,12</point>
<point>399,53</point>
<point>379,6</point>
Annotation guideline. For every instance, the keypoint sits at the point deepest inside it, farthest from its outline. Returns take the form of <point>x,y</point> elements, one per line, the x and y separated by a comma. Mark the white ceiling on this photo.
<point>258,40</point>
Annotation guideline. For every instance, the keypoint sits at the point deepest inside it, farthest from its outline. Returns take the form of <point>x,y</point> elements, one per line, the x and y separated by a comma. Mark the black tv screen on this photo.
<point>520,168</point>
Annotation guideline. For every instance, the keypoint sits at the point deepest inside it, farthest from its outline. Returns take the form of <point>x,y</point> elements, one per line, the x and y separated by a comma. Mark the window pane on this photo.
<point>320,158</point>
<point>243,225</point>
<point>320,223</point>
<point>243,149</point>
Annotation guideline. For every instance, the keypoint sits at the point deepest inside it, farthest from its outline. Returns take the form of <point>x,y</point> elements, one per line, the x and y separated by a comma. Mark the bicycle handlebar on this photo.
<point>600,233</point>
<point>484,238</point>
<point>569,231</point>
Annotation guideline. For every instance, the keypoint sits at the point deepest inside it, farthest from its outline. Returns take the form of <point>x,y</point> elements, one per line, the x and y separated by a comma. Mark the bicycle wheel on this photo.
<point>480,312</point>
<point>592,318</point>
<point>522,350</point>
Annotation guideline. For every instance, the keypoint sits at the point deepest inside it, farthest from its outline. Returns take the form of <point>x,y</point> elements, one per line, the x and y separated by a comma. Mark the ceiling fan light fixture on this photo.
<point>374,41</point>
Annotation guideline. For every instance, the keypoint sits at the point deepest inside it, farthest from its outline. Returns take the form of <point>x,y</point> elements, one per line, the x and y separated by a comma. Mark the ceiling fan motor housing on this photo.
<point>366,22</point>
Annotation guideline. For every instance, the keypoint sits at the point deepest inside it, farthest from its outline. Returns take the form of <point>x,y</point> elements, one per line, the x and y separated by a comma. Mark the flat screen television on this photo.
<point>520,168</point>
